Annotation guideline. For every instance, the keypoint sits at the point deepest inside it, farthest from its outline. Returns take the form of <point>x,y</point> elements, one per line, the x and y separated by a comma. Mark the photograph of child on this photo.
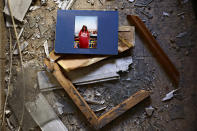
<point>85,32</point>
<point>84,37</point>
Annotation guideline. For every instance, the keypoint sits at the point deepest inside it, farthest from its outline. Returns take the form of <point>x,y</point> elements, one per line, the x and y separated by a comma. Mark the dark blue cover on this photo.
<point>107,37</point>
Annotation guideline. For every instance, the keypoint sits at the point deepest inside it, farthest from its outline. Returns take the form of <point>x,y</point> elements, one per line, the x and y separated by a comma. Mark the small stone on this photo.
<point>149,110</point>
<point>182,34</point>
<point>92,2</point>
<point>166,14</point>
<point>154,34</point>
<point>116,8</point>
<point>131,1</point>
<point>43,2</point>
<point>7,113</point>
<point>182,17</point>
<point>144,21</point>
<point>97,93</point>
<point>187,53</point>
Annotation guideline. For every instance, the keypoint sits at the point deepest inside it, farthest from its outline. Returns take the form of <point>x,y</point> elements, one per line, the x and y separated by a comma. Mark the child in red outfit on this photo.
<point>84,37</point>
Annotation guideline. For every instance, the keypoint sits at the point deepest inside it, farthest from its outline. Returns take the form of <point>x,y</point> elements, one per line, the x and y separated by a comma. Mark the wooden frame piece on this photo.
<point>155,48</point>
<point>96,122</point>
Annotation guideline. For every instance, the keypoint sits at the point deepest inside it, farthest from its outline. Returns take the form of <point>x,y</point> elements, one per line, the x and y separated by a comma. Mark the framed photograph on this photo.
<point>87,32</point>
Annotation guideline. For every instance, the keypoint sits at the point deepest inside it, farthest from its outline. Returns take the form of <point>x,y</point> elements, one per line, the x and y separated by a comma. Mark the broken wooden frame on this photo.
<point>155,48</point>
<point>96,122</point>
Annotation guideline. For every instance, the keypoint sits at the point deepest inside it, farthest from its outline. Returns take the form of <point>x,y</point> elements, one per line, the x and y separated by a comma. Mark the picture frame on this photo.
<point>87,32</point>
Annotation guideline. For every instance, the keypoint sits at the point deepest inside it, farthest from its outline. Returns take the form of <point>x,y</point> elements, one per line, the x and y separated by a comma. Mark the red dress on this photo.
<point>84,39</point>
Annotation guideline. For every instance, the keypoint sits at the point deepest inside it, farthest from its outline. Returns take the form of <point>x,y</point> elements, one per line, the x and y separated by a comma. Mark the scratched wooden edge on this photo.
<point>141,28</point>
<point>106,118</point>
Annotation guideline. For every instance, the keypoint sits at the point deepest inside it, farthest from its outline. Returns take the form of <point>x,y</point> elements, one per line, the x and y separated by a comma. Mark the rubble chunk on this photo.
<point>166,14</point>
<point>182,34</point>
<point>149,110</point>
<point>100,108</point>
<point>169,96</point>
<point>131,1</point>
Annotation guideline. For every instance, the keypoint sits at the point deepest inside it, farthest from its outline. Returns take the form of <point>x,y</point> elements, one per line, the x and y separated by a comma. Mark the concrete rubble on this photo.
<point>149,110</point>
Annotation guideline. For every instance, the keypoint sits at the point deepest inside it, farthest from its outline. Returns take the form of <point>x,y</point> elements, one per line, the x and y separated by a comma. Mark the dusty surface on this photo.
<point>145,73</point>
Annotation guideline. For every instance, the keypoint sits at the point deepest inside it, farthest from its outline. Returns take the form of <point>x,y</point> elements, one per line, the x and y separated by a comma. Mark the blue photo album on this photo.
<point>86,32</point>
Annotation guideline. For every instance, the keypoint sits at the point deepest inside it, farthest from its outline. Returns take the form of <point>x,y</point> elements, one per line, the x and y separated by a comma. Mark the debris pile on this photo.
<point>99,86</point>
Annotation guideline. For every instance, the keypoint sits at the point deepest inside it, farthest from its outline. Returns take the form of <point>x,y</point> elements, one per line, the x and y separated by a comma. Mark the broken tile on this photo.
<point>169,96</point>
<point>99,72</point>
<point>44,116</point>
<point>47,81</point>
<point>60,104</point>
<point>18,7</point>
